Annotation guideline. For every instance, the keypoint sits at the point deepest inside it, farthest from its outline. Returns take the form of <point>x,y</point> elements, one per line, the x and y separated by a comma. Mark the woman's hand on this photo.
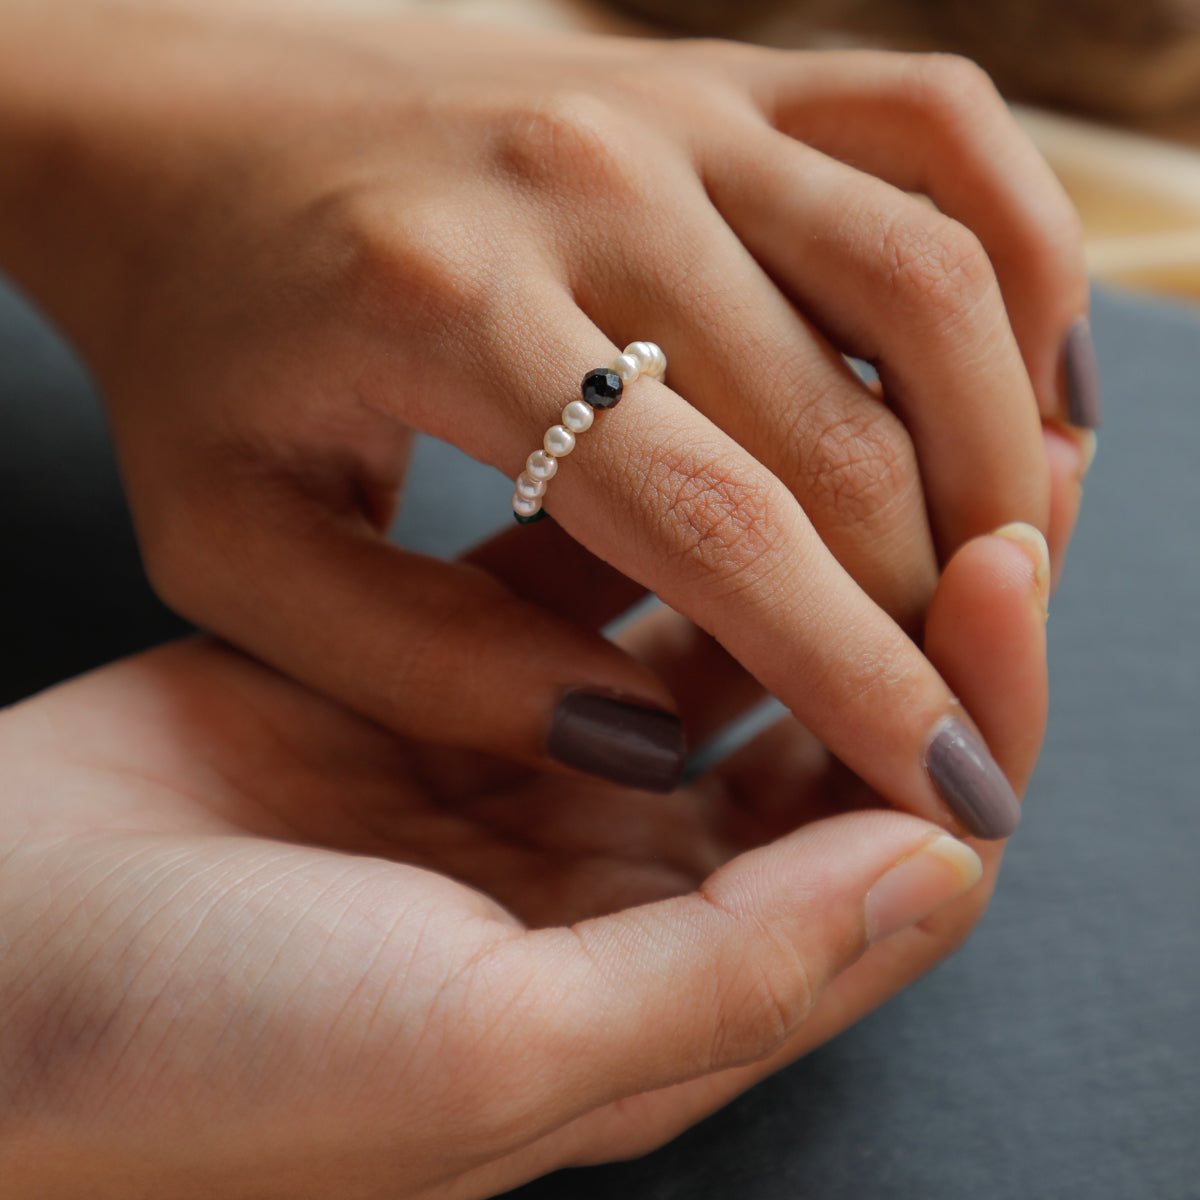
<point>285,243</point>
<point>255,946</point>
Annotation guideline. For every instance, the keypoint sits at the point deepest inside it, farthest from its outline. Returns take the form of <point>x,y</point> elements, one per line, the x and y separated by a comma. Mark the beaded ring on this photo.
<point>602,388</point>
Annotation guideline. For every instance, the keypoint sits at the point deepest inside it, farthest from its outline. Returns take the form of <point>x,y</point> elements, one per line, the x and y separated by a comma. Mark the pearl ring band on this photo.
<point>602,388</point>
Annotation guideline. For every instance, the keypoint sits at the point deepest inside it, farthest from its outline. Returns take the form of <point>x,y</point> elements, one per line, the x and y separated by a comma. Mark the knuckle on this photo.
<point>863,464</point>
<point>718,524</point>
<point>773,997</point>
<point>951,86</point>
<point>428,269</point>
<point>959,99</point>
<point>935,266</point>
<point>571,139</point>
<point>711,60</point>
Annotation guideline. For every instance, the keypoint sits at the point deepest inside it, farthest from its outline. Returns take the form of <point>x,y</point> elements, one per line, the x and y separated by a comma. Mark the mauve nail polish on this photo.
<point>1084,407</point>
<point>626,743</point>
<point>970,782</point>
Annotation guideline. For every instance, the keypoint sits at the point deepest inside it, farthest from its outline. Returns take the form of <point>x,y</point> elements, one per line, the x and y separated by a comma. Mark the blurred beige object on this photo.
<point>1139,198</point>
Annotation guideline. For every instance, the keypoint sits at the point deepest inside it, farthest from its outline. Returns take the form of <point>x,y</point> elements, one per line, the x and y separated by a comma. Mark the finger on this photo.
<point>710,686</point>
<point>543,564</point>
<point>440,652</point>
<point>1069,452</point>
<point>987,631</point>
<point>935,124</point>
<point>744,356</point>
<point>670,500</point>
<point>986,634</point>
<point>987,626</point>
<point>916,296</point>
<point>658,995</point>
<point>713,689</point>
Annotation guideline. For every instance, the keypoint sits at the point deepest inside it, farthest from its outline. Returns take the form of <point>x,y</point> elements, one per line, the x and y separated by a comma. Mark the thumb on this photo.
<point>670,991</point>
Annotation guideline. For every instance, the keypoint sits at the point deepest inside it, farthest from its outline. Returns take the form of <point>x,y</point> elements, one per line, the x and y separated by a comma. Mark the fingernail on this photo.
<point>1081,441</point>
<point>1084,406</point>
<point>1031,539</point>
<point>969,780</point>
<point>626,743</point>
<point>919,885</point>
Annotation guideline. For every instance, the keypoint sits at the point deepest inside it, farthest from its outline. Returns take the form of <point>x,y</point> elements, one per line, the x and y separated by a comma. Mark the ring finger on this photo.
<point>756,367</point>
<point>671,500</point>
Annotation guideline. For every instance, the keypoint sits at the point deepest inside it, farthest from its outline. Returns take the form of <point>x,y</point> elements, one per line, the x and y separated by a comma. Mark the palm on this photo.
<point>234,870</point>
<point>201,741</point>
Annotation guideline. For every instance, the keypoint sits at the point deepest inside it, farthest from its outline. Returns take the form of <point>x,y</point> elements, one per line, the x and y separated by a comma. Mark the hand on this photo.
<point>255,946</point>
<point>288,244</point>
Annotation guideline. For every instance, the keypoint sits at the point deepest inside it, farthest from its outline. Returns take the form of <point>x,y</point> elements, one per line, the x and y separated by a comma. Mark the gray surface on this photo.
<point>1058,1054</point>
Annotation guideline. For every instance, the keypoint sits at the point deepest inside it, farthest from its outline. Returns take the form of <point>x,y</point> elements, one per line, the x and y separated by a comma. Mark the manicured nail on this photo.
<point>919,885</point>
<point>1084,406</point>
<point>969,780</point>
<point>614,739</point>
<point>1082,441</point>
<point>1030,539</point>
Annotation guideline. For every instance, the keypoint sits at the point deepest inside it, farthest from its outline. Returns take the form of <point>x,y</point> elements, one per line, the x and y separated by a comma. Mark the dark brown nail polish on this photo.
<point>969,780</point>
<point>1084,406</point>
<point>626,743</point>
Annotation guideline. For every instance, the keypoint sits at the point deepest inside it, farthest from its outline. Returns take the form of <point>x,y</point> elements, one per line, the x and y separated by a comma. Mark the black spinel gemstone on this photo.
<point>537,516</point>
<point>602,388</point>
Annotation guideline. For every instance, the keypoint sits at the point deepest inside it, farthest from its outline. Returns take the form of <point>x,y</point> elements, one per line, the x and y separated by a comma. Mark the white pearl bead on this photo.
<point>525,506</point>
<point>541,465</point>
<point>658,368</point>
<point>529,487</point>
<point>628,367</point>
<point>559,441</point>
<point>642,353</point>
<point>578,416</point>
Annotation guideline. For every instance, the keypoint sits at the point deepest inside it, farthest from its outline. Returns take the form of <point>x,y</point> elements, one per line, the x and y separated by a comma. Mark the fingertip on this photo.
<point>1081,377</point>
<point>1070,452</point>
<point>986,635</point>
<point>616,738</point>
<point>1001,576</point>
<point>917,886</point>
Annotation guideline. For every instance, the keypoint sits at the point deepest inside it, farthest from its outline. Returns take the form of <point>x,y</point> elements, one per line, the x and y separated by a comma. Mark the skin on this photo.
<point>284,243</point>
<point>257,946</point>
<point>360,937</point>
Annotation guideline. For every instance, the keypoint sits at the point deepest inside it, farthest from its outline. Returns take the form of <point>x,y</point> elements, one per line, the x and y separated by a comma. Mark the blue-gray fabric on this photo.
<point>1058,1054</point>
